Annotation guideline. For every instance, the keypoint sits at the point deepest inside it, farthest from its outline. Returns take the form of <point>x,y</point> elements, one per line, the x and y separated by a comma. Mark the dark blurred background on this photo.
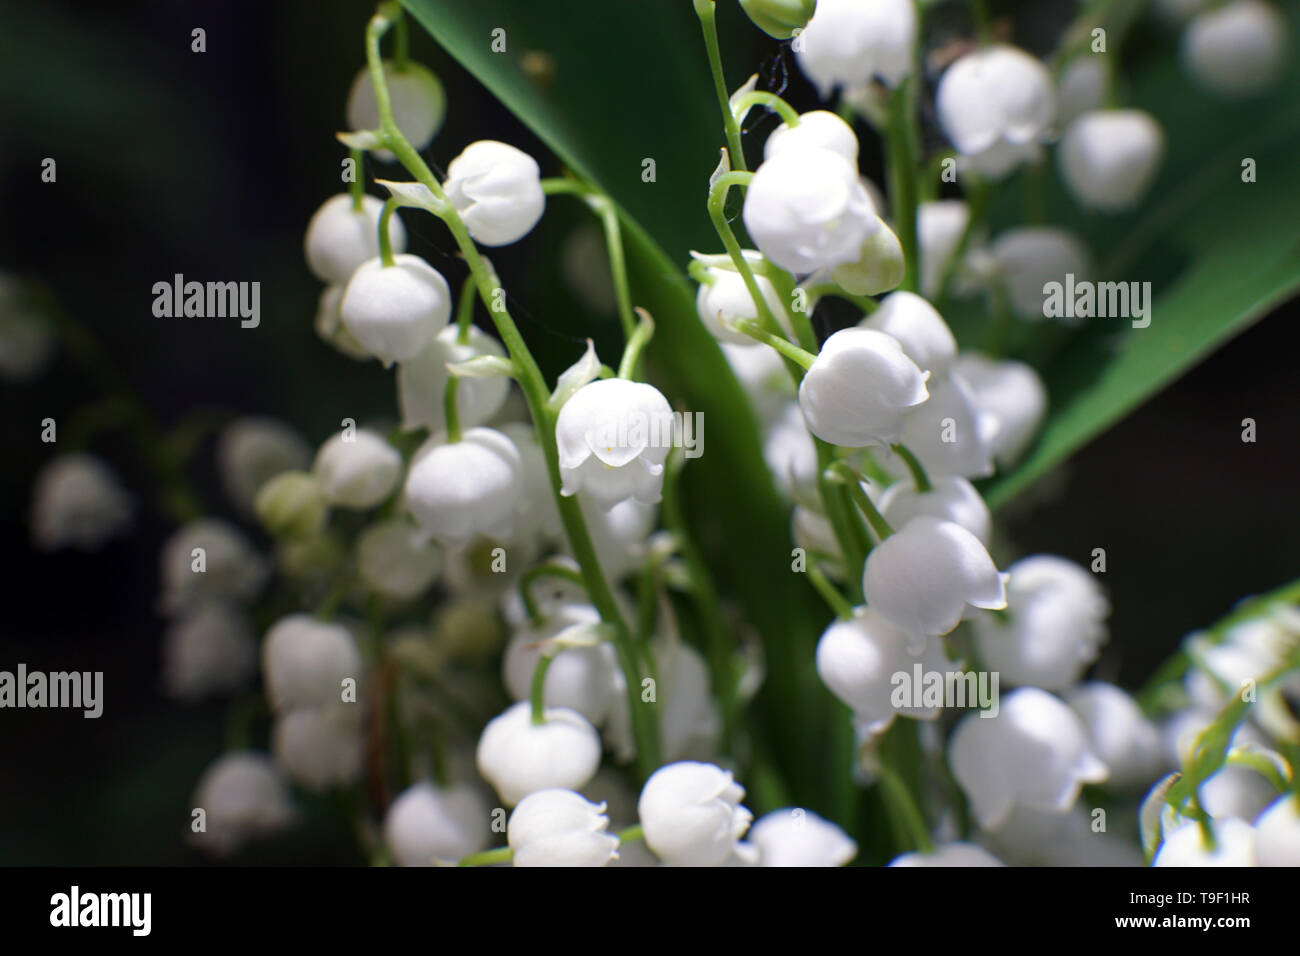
<point>210,165</point>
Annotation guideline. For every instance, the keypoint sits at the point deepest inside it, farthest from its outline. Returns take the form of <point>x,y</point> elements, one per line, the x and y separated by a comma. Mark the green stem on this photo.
<point>465,311</point>
<point>630,834</point>
<point>843,610</point>
<point>853,481</point>
<point>385,240</point>
<point>636,343</point>
<point>902,177</point>
<point>919,478</point>
<point>357,187</point>
<point>401,44</point>
<point>747,101</point>
<point>536,395</point>
<point>501,854</point>
<point>983,22</point>
<point>706,10</point>
<point>786,348</point>
<point>451,408</point>
<point>537,695</point>
<point>904,808</point>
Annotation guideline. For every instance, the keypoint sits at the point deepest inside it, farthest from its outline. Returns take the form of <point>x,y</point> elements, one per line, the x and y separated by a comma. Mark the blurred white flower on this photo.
<point>207,559</point>
<point>1277,833</point>
<point>243,797</point>
<point>1121,736</point>
<point>426,823</point>
<point>949,854</point>
<point>253,449</point>
<point>395,562</point>
<point>357,469</point>
<point>1238,49</point>
<point>796,837</point>
<point>458,490</point>
<point>419,104</point>
<point>849,43</point>
<point>1082,87</point>
<point>305,662</point>
<point>77,502</point>
<point>940,225</point>
<point>1011,401</point>
<point>340,238</point>
<point>1110,157</point>
<point>208,651</point>
<point>950,498</point>
<point>319,747</point>
<point>1187,846</point>
<point>1026,258</point>
<point>422,383</point>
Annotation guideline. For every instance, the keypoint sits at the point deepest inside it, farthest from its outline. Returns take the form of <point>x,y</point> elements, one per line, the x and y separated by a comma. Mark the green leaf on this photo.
<point>1220,254</point>
<point>630,84</point>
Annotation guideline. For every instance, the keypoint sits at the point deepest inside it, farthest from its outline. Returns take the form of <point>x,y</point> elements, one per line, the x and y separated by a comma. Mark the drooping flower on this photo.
<point>209,559</point>
<point>243,797</point>
<point>396,311</point>
<point>1121,735</point>
<point>394,561</point>
<point>77,502</point>
<point>253,449</point>
<point>419,104</point>
<point>1109,157</point>
<point>422,383</point>
<point>1027,258</point>
<point>1234,845</point>
<point>794,836</point>
<point>940,225</point>
<point>691,814</point>
<point>305,662</point>
<point>950,498</point>
<point>340,238</point>
<point>457,490</point>
<point>817,129</point>
<point>724,300</point>
<point>919,329</point>
<point>1011,400</point>
<point>497,190</point>
<point>357,469</point>
<point>849,43</point>
<point>1277,833</point>
<point>319,748</point>
<point>559,827</point>
<point>1238,49</point>
<point>613,437</point>
<point>208,651</point>
<point>425,824</point>
<point>519,757</point>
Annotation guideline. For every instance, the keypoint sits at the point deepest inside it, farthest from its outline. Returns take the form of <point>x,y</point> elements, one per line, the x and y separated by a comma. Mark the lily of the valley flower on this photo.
<point>1026,258</point>
<point>559,827</point>
<point>1034,753</point>
<point>950,498</point>
<point>427,824</point>
<point>724,299</point>
<point>613,437</point>
<point>340,238</point>
<point>1237,49</point>
<point>422,382</point>
<point>457,490</point>
<point>691,814</point>
<point>1121,736</point>
<point>394,561</point>
<point>396,311</point>
<point>244,797</point>
<point>919,329</point>
<point>816,129</point>
<point>1234,845</point>
<point>949,854</point>
<point>856,391</point>
<point>1011,400</point>
<point>419,104</point>
<point>320,748</point>
<point>1109,157</point>
<point>497,190</point>
<point>357,469</point>
<point>77,502</point>
<point>849,43</point>
<point>305,662</point>
<point>1277,832</point>
<point>794,836</point>
<point>519,757</point>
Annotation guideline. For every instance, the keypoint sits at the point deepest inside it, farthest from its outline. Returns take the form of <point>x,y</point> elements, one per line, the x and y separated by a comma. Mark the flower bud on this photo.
<point>1011,400</point>
<point>78,503</point>
<point>458,490</point>
<point>252,450</point>
<point>305,662</point>
<point>560,828</point>
<point>613,438</point>
<point>818,129</point>
<point>422,383</point>
<point>850,42</point>
<point>208,652</point>
<point>806,210</point>
<point>946,433</point>
<point>996,105</point>
<point>618,534</point>
<point>340,238</point>
<point>394,562</point>
<point>950,498</point>
<point>878,268</point>
<point>396,311</point>
<point>357,470</point>
<point>1053,628</point>
<point>779,18</point>
<point>691,814</point>
<point>1235,845</point>
<point>209,559</point>
<point>292,505</point>
<point>923,576</point>
<point>519,757</point>
<point>1034,754</point>
<point>243,797</point>
<point>498,191</point>
<point>419,104</point>
<point>856,391</point>
<point>1109,157</point>
<point>427,824</point>
<point>919,329</point>
<point>319,747</point>
<point>723,300</point>
<point>1082,87</point>
<point>797,837</point>
<point>1238,49</point>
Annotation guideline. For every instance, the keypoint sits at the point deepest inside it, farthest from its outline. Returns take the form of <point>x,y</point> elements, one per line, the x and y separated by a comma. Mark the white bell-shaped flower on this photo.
<point>613,437</point>
<point>427,824</point>
<point>305,662</point>
<point>1277,833</point>
<point>578,678</point>
<point>340,238</point>
<point>807,210</point>
<point>1029,257</point>
<point>77,502</point>
<point>419,104</point>
<point>209,559</point>
<point>1034,753</point>
<point>457,490</point>
<point>207,652</point>
<point>723,300</point>
<point>519,757</point>
<point>849,43</point>
<point>689,723</point>
<point>394,560</point>
<point>1011,399</point>
<point>1110,157</point>
<point>357,469</point>
<point>996,104</point>
<point>422,383</point>
<point>1234,845</point>
<point>794,836</point>
<point>320,748</point>
<point>878,267</point>
<point>940,225</point>
<point>856,391</point>
<point>1121,736</point>
<point>818,129</point>
<point>328,324</point>
<point>946,433</point>
<point>1054,626</point>
<point>949,854</point>
<point>919,329</point>
<point>860,660</point>
<point>619,534</point>
<point>243,797</point>
<point>1036,837</point>
<point>1238,49</point>
<point>253,449</point>
<point>396,311</point>
<point>950,498</point>
<point>498,191</point>
<point>1082,87</point>
<point>812,531</point>
<point>537,516</point>
<point>692,815</point>
<point>922,577</point>
<point>559,827</point>
<point>763,378</point>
